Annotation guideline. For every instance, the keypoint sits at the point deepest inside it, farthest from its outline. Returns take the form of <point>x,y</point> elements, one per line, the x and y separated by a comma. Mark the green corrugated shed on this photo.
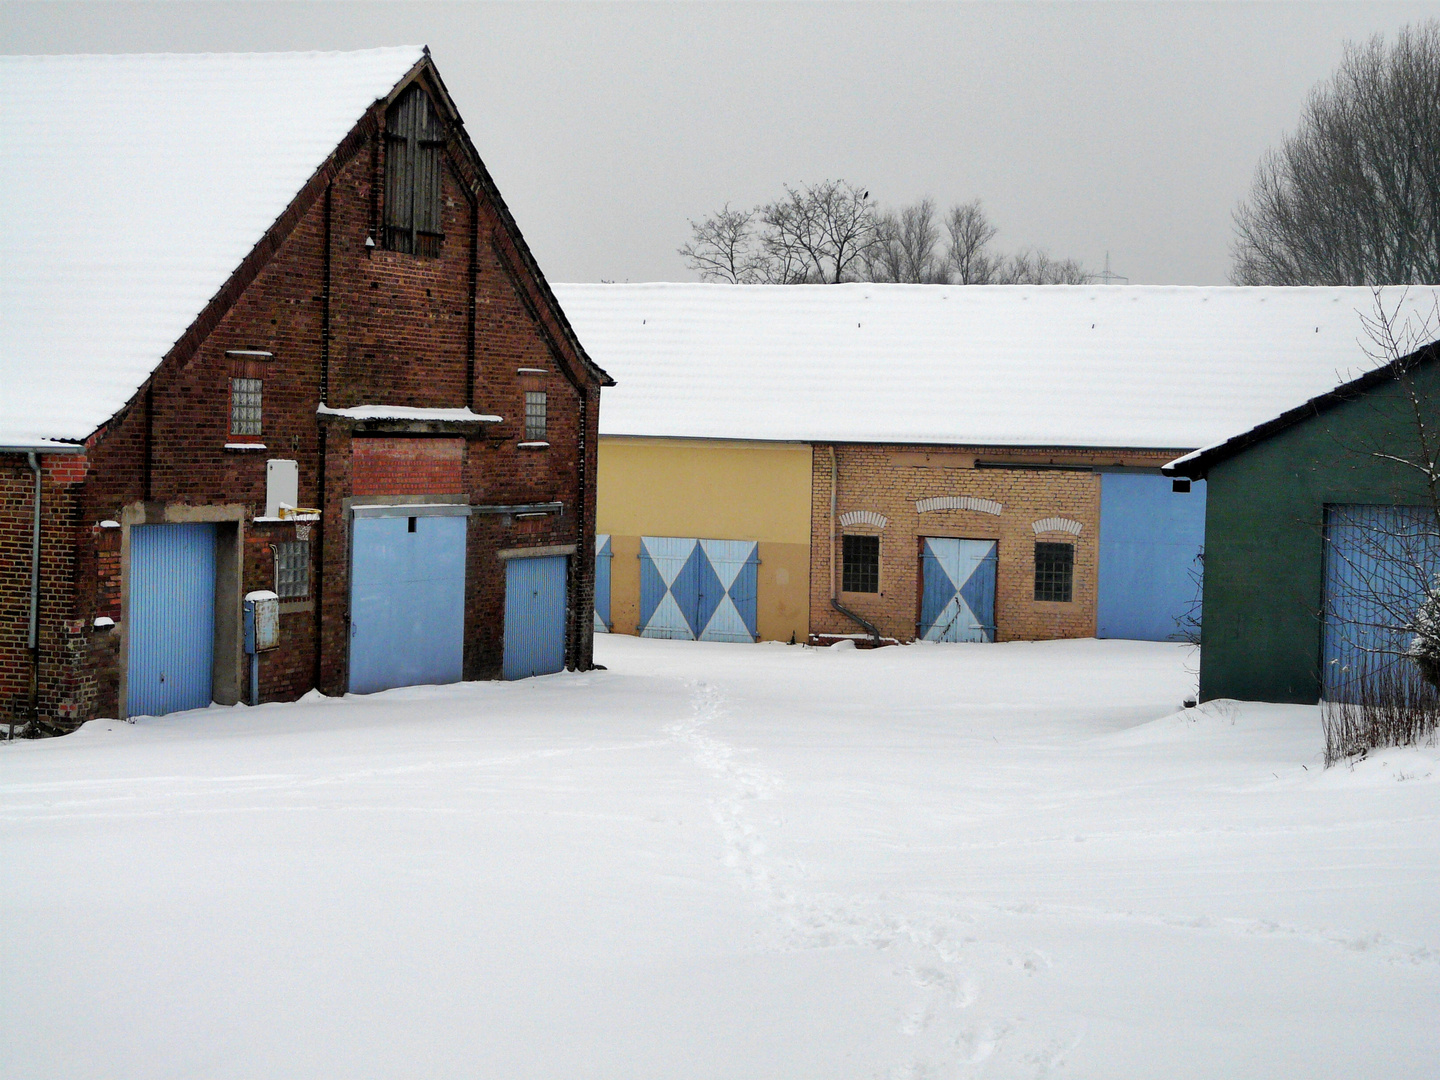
<point>1265,515</point>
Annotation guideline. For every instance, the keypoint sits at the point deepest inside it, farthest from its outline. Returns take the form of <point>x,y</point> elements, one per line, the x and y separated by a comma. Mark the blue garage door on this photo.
<point>1151,539</point>
<point>705,589</point>
<point>172,619</point>
<point>1379,561</point>
<point>534,616</point>
<point>407,601</point>
<point>602,584</point>
<point>957,581</point>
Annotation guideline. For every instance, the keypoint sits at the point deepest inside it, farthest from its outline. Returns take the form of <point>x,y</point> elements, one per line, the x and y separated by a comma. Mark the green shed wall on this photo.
<point>1264,537</point>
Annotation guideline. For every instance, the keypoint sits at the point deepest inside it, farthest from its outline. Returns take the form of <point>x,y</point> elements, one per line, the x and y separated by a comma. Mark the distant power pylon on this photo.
<point>1106,277</point>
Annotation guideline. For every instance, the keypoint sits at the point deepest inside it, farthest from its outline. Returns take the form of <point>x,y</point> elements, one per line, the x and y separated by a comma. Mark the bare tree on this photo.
<point>970,233</point>
<point>1029,267</point>
<point>905,246</point>
<point>832,232</point>
<point>1353,196</point>
<point>821,234</point>
<point>722,248</point>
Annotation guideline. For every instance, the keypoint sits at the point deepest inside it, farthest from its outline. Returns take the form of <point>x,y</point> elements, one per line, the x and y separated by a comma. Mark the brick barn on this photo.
<point>272,334</point>
<point>896,462</point>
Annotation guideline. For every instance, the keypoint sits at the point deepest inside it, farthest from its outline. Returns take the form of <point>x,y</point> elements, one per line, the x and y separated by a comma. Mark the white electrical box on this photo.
<point>262,621</point>
<point>282,486</point>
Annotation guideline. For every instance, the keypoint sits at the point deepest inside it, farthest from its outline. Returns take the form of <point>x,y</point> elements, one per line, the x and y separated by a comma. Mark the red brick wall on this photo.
<point>400,334</point>
<point>410,466</point>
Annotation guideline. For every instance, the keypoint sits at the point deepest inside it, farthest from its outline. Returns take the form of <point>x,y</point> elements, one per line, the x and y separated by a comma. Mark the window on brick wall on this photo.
<point>292,569</point>
<point>860,568</point>
<point>245,395</point>
<point>534,414</point>
<point>414,143</point>
<point>1054,571</point>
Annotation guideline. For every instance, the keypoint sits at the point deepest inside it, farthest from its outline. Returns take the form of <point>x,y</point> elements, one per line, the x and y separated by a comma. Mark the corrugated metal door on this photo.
<point>1151,539</point>
<point>602,583</point>
<point>698,589</point>
<point>407,602</point>
<point>172,619</point>
<point>957,582</point>
<point>534,616</point>
<point>1379,561</point>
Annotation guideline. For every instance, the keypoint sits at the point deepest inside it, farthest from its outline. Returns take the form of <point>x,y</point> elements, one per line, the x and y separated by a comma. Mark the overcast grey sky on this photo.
<point>1132,128</point>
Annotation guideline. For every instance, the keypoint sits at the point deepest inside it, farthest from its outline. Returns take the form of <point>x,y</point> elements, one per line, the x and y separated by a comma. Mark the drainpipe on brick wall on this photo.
<point>834,590</point>
<point>34,638</point>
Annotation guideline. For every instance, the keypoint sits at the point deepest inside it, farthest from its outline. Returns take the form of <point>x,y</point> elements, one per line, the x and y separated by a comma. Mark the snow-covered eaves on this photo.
<point>1073,366</point>
<point>134,187</point>
<point>1197,464</point>
<point>405,412</point>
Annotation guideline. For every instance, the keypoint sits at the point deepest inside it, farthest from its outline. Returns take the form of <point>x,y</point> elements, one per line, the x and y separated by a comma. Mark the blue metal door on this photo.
<point>957,581</point>
<point>1151,540</point>
<point>1379,563</point>
<point>172,619</point>
<point>407,602</point>
<point>534,616</point>
<point>699,589</point>
<point>602,583</point>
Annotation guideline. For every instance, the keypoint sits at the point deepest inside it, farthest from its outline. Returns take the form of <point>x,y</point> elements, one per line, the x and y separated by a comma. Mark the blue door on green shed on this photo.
<point>1379,563</point>
<point>534,616</point>
<point>957,583</point>
<point>1151,540</point>
<point>602,583</point>
<point>407,602</point>
<point>172,619</point>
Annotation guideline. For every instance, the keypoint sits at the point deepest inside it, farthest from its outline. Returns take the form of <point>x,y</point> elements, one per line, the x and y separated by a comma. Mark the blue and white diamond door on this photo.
<point>698,589</point>
<point>957,599</point>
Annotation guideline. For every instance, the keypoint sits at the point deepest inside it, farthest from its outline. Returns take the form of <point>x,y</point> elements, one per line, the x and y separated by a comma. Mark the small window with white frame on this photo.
<point>292,569</point>
<point>534,415</point>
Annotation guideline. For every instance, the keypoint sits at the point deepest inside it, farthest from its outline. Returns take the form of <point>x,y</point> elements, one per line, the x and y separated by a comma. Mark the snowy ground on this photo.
<point>729,862</point>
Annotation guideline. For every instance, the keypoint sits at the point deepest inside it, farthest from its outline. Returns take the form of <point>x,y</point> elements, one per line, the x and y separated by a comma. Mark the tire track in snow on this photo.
<point>932,951</point>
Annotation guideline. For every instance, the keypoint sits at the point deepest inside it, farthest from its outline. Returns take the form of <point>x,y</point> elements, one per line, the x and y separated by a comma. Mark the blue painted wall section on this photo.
<point>172,619</point>
<point>698,589</point>
<point>534,616</point>
<point>1151,538</point>
<point>407,602</point>
<point>957,601</point>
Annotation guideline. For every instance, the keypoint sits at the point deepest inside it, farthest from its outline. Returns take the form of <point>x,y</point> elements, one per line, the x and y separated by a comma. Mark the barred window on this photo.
<point>534,414</point>
<point>292,569</point>
<point>860,570</point>
<point>1054,571</point>
<point>244,406</point>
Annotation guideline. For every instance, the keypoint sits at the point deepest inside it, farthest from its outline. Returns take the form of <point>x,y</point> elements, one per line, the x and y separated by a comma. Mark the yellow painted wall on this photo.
<point>716,490</point>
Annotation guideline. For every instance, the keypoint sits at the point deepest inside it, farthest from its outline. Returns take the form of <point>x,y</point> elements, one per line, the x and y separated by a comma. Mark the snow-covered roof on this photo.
<point>1131,366</point>
<point>134,186</point>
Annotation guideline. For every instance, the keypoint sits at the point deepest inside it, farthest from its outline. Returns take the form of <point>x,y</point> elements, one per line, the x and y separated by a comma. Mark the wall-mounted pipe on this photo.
<point>869,627</point>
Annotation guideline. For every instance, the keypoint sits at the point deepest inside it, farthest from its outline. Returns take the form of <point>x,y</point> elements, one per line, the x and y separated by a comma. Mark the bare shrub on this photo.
<point>1390,704</point>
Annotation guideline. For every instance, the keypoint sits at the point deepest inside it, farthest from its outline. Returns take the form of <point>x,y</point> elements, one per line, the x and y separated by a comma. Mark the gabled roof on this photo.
<point>1081,366</point>
<point>134,187</point>
<point>1197,464</point>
